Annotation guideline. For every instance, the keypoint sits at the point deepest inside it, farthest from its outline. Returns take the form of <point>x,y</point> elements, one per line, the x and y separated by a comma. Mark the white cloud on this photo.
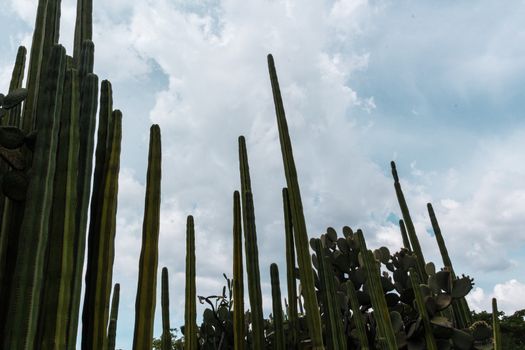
<point>509,296</point>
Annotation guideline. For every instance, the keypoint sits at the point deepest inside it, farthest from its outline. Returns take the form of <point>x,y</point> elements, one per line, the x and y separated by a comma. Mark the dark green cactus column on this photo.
<point>357,316</point>
<point>113,317</point>
<point>495,326</point>
<point>301,236</point>
<point>165,304</point>
<point>17,77</point>
<point>404,235</point>
<point>290,271</point>
<point>238,282</point>
<point>147,283</point>
<point>27,278</point>
<point>414,241</point>
<point>190,310</point>
<point>83,27</point>
<point>422,310</point>
<point>460,306</point>
<point>252,251</point>
<point>278,322</point>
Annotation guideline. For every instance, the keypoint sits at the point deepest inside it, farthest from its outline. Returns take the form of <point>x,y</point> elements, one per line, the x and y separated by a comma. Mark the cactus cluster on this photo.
<point>348,296</point>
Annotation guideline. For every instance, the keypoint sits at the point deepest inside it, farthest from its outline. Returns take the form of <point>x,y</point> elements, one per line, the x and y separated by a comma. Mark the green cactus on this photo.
<point>165,304</point>
<point>147,283</point>
<point>14,118</point>
<point>113,317</point>
<point>83,28</point>
<point>290,271</point>
<point>422,310</point>
<point>406,241</point>
<point>414,241</point>
<point>252,252</point>
<point>301,236</point>
<point>334,326</point>
<point>238,283</point>
<point>495,326</point>
<point>357,316</point>
<point>277,309</point>
<point>190,310</point>
<point>27,277</point>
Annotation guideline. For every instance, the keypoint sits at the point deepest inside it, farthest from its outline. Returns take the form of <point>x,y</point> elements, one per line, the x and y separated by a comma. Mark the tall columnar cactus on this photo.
<point>27,277</point>
<point>290,271</point>
<point>238,283</point>
<point>357,316</point>
<point>190,310</point>
<point>414,241</point>
<point>277,309</point>
<point>54,312</point>
<point>102,229</point>
<point>165,304</point>
<point>406,241</point>
<point>252,251</point>
<point>88,110</point>
<point>147,283</point>
<point>83,28</point>
<point>113,317</point>
<point>17,77</point>
<point>422,310</point>
<point>496,331</point>
<point>334,327</point>
<point>301,236</point>
<point>460,306</point>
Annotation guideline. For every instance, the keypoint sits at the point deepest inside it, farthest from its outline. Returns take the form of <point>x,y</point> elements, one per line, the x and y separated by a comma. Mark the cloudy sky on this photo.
<point>437,88</point>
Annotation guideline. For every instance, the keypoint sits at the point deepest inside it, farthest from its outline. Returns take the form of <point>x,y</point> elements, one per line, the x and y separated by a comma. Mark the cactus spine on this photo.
<point>238,283</point>
<point>27,276</point>
<point>290,270</point>
<point>190,312</point>
<point>252,252</point>
<point>301,236</point>
<point>147,283</point>
<point>414,241</point>
<point>113,316</point>
<point>165,304</point>
<point>496,331</point>
<point>278,323</point>
<point>460,306</point>
<point>421,308</point>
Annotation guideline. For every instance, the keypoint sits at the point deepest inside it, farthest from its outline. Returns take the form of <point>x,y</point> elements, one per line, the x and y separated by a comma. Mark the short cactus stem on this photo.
<point>278,321</point>
<point>404,235</point>
<point>496,331</point>
<point>421,309</point>
<point>190,313</point>
<point>165,304</point>
<point>357,316</point>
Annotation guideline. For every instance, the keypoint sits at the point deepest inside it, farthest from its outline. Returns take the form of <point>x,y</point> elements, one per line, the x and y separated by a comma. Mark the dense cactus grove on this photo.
<point>349,296</point>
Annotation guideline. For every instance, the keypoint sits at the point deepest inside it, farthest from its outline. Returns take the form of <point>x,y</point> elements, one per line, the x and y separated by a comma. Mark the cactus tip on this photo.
<point>394,171</point>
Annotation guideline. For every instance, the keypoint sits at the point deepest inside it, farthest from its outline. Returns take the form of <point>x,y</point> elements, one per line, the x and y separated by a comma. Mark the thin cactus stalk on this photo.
<point>357,316</point>
<point>87,59</point>
<point>334,327</point>
<point>83,28</point>
<point>290,271</point>
<point>252,252</point>
<point>87,120</point>
<point>149,254</point>
<point>460,306</point>
<point>414,241</point>
<point>165,304</point>
<point>113,317</point>
<point>404,235</point>
<point>190,310</point>
<point>301,236</point>
<point>422,310</point>
<point>277,309</point>
<point>102,236</point>
<point>56,292</point>
<point>17,77</point>
<point>386,332</point>
<point>496,331</point>
<point>27,277</point>
<point>238,282</point>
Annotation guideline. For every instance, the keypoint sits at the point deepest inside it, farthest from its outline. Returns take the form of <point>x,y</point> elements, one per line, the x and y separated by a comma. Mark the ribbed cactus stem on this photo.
<point>83,27</point>
<point>290,271</point>
<point>404,235</point>
<point>252,252</point>
<point>149,254</point>
<point>421,309</point>
<point>17,77</point>
<point>334,327</point>
<point>165,304</point>
<point>190,313</point>
<point>238,283</point>
<point>277,309</point>
<point>301,236</point>
<point>113,317</point>
<point>460,306</point>
<point>357,316</point>
<point>28,274</point>
<point>496,331</point>
<point>414,241</point>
